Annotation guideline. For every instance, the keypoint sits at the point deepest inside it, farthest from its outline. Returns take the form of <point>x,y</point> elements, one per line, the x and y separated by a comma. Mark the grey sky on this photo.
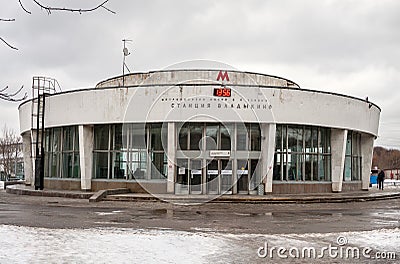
<point>350,47</point>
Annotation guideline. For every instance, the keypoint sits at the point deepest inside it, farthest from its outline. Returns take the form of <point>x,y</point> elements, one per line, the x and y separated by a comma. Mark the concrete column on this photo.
<point>338,149</point>
<point>267,154</point>
<point>367,148</point>
<point>86,141</point>
<point>28,162</point>
<point>171,158</point>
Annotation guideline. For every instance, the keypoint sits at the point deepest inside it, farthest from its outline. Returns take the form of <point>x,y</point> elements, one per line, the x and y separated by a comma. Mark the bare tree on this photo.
<point>13,97</point>
<point>49,10</point>
<point>10,150</point>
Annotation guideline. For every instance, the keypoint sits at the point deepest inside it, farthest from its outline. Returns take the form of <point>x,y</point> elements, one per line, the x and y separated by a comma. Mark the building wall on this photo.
<point>178,96</point>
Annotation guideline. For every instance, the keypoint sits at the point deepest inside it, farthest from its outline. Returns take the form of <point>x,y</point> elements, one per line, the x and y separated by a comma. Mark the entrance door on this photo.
<point>182,183</point>
<point>242,176</point>
<point>195,177</point>
<point>212,179</point>
<point>226,176</point>
<point>219,176</point>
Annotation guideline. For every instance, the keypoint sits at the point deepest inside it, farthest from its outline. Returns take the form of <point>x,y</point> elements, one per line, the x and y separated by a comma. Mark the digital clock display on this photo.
<point>222,92</point>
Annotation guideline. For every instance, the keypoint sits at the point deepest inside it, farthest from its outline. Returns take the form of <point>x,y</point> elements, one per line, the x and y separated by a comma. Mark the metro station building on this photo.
<point>203,132</point>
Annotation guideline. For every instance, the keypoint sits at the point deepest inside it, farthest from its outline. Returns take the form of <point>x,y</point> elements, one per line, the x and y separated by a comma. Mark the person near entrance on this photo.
<point>381,179</point>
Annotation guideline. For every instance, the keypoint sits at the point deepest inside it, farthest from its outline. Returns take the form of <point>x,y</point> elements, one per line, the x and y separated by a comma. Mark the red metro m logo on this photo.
<point>223,76</point>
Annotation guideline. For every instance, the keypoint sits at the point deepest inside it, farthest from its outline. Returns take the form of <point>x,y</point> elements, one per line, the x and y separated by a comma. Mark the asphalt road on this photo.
<point>52,212</point>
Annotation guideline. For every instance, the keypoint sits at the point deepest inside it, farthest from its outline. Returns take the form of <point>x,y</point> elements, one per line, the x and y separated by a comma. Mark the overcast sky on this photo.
<point>349,47</point>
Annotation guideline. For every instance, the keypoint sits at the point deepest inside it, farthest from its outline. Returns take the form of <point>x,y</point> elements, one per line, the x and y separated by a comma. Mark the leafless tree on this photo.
<point>10,150</point>
<point>50,9</point>
<point>12,97</point>
<point>4,94</point>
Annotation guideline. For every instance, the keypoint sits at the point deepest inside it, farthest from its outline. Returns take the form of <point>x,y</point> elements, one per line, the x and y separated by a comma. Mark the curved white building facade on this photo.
<point>204,132</point>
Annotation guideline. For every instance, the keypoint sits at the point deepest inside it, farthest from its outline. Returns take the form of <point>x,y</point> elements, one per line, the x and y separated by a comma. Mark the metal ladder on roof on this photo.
<point>41,87</point>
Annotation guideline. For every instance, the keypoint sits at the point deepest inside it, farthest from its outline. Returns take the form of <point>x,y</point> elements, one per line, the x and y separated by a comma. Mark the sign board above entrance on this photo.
<point>220,153</point>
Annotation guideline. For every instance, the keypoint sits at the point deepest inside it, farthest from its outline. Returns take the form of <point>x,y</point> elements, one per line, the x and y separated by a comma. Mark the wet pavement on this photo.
<point>226,232</point>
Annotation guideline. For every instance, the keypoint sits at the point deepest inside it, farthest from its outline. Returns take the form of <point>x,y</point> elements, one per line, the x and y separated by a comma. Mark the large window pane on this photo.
<point>277,167</point>
<point>308,139</point>
<point>101,137</point>
<point>278,138</point>
<point>196,133</point>
<point>255,137</point>
<point>212,136</point>
<point>295,139</point>
<point>119,165</point>
<point>100,165</point>
<point>137,139</point>
<point>183,137</point>
<point>241,136</point>
<point>67,165</point>
<point>117,136</point>
<point>159,170</point>
<point>226,131</point>
<point>68,138</point>
<point>155,137</point>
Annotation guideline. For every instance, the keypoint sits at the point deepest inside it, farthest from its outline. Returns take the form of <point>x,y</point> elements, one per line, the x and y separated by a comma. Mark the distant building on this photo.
<point>204,132</point>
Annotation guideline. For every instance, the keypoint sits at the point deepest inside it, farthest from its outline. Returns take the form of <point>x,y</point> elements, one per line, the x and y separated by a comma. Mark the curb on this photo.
<point>11,189</point>
<point>100,195</point>
<point>253,200</point>
<point>112,195</point>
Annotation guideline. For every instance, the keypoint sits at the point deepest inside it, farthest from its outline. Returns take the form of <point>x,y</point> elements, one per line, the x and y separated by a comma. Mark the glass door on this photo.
<point>242,176</point>
<point>226,176</point>
<point>182,183</point>
<point>212,179</point>
<point>195,177</point>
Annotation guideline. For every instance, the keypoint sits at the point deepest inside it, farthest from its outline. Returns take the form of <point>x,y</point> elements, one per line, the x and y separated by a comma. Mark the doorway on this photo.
<point>219,176</point>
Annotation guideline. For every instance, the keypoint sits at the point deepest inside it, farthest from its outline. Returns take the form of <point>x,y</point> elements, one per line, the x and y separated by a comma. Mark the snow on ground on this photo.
<point>119,245</point>
<point>105,245</point>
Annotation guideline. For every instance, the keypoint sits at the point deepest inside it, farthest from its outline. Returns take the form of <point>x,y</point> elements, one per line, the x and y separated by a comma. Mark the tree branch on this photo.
<point>49,9</point>
<point>11,97</point>
<point>8,44</point>
<point>23,8</point>
<point>7,19</point>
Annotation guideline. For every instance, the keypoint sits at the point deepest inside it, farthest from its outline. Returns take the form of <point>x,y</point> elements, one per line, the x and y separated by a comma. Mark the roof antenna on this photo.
<point>126,53</point>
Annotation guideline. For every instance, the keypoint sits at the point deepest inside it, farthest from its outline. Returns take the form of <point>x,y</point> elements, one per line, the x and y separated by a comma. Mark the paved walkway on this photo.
<point>390,192</point>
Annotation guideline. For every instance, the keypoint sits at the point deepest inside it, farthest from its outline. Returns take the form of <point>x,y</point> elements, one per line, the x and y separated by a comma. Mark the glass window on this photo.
<point>277,175</point>
<point>353,159</point>
<point>307,155</point>
<point>100,165</point>
<point>196,133</point>
<point>278,138</point>
<point>212,136</point>
<point>137,136</point>
<point>183,137</point>
<point>160,168</point>
<point>308,140</point>
<point>241,137</point>
<point>225,131</point>
<point>101,137</point>
<point>117,136</point>
<point>255,175</point>
<point>62,152</point>
<point>295,139</point>
<point>119,165</point>
<point>68,138</point>
<point>155,137</point>
<point>255,137</point>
